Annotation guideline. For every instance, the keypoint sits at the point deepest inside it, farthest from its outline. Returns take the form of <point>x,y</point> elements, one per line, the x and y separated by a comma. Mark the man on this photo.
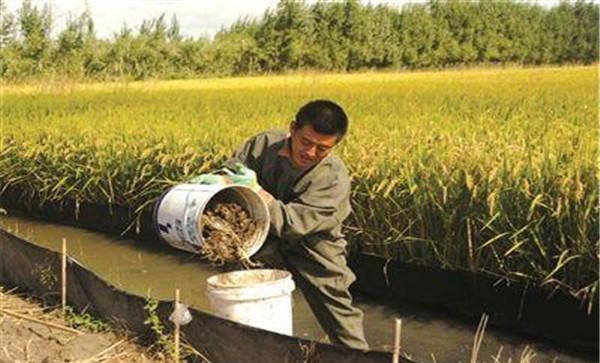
<point>307,190</point>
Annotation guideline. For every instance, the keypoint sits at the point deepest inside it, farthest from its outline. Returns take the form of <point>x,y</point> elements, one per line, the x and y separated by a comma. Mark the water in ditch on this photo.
<point>148,269</point>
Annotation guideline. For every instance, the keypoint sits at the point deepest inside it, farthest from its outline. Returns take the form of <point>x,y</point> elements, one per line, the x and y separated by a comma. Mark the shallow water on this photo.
<point>148,269</point>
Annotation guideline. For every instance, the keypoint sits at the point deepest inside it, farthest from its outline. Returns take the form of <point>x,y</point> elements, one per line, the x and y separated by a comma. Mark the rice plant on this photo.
<point>487,170</point>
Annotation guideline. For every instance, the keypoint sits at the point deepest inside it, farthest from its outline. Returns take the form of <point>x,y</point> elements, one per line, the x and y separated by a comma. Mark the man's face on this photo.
<point>309,147</point>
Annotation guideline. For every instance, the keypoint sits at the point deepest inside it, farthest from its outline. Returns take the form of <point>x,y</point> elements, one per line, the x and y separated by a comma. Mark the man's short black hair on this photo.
<point>325,117</point>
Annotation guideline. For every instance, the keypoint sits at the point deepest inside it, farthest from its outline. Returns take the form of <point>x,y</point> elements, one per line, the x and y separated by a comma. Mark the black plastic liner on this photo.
<point>522,308</point>
<point>513,305</point>
<point>37,270</point>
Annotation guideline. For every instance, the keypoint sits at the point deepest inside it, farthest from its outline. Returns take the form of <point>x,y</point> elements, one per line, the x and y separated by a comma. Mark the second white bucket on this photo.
<point>259,298</point>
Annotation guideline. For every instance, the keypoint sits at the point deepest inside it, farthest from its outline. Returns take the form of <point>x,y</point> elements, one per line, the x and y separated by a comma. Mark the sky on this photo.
<point>196,17</point>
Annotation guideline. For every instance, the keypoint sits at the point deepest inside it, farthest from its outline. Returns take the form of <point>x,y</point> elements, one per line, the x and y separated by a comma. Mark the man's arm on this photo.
<point>322,207</point>
<point>249,154</point>
<point>246,154</point>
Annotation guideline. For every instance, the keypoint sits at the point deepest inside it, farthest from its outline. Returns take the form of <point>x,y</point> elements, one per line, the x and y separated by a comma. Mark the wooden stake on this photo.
<point>176,327</point>
<point>397,341</point>
<point>46,323</point>
<point>64,274</point>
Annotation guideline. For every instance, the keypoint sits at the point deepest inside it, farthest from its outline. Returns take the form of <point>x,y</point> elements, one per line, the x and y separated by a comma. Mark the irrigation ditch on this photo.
<point>218,339</point>
<point>524,309</point>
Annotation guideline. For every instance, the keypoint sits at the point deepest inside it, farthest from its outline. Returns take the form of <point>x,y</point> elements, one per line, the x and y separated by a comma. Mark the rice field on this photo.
<point>489,170</point>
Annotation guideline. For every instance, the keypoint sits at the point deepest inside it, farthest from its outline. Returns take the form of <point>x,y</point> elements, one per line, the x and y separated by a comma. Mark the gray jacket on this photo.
<point>309,204</point>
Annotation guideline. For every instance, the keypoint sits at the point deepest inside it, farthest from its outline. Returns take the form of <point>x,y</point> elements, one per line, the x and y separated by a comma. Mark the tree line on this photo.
<point>324,36</point>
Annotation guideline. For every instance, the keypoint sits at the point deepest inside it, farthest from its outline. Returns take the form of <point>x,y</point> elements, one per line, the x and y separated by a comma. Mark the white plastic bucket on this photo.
<point>259,298</point>
<point>177,213</point>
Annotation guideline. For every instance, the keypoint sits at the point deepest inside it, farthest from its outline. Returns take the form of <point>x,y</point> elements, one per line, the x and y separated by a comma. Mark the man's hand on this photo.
<point>247,177</point>
<point>240,174</point>
<point>210,179</point>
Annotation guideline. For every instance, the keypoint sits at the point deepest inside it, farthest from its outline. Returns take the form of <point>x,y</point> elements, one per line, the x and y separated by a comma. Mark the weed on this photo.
<point>47,276</point>
<point>85,321</point>
<point>164,341</point>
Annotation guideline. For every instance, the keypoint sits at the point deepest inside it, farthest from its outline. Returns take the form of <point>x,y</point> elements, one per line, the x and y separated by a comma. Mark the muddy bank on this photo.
<point>30,332</point>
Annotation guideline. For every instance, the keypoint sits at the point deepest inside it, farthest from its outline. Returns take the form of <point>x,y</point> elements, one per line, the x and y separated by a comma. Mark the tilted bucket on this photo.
<point>259,298</point>
<point>177,213</point>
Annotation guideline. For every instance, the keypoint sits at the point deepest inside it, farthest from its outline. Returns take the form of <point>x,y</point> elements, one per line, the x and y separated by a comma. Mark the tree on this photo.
<point>455,23</point>
<point>293,27</point>
<point>174,31</point>
<point>330,48</point>
<point>417,35</point>
<point>584,44</point>
<point>8,27</point>
<point>325,35</point>
<point>9,54</point>
<point>75,45</point>
<point>35,28</point>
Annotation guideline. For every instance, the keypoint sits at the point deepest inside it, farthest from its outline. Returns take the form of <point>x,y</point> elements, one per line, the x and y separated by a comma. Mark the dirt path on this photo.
<point>25,340</point>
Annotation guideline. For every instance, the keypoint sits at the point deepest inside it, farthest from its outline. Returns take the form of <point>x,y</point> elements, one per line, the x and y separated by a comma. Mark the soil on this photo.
<point>247,278</point>
<point>22,340</point>
<point>227,232</point>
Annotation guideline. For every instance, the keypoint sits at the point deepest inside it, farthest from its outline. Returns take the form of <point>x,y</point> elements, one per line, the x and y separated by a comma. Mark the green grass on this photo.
<point>492,170</point>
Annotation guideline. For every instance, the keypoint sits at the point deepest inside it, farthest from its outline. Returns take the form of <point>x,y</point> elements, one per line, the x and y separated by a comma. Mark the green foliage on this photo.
<point>327,36</point>
<point>75,47</point>
<point>35,27</point>
<point>8,26</point>
<point>164,341</point>
<point>47,276</point>
<point>84,321</point>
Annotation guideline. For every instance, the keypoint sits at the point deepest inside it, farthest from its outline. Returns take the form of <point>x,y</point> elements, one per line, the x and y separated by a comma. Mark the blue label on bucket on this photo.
<point>191,220</point>
<point>179,229</point>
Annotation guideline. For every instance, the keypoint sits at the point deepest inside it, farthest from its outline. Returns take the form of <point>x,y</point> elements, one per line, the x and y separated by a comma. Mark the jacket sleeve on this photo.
<point>320,208</point>
<point>248,153</point>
